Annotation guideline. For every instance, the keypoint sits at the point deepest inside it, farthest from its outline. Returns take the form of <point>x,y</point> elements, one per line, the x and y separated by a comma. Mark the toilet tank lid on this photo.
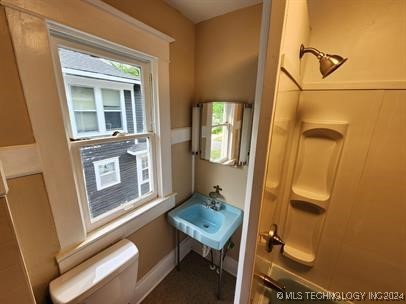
<point>82,280</point>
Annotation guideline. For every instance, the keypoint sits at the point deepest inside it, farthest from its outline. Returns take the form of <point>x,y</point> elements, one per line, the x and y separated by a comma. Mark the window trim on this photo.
<point>77,45</point>
<point>105,50</point>
<point>98,175</point>
<point>76,244</point>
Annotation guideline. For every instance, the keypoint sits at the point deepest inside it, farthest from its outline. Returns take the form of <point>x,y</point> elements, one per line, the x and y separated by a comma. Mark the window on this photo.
<point>84,109</point>
<point>112,109</point>
<point>222,117</point>
<point>106,93</point>
<point>143,172</point>
<point>107,172</point>
<point>99,107</point>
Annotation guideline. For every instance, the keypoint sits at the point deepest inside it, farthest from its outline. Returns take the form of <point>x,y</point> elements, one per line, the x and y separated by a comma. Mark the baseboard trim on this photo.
<point>159,272</point>
<point>150,280</point>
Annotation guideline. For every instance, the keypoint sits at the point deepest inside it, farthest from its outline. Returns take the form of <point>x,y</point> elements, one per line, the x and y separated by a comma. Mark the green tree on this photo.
<point>126,68</point>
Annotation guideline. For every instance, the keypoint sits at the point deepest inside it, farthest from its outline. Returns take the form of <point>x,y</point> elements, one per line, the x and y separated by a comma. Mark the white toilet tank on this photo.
<point>107,278</point>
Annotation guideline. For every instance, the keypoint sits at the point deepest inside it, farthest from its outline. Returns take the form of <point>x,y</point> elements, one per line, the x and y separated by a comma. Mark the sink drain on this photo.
<point>206,226</point>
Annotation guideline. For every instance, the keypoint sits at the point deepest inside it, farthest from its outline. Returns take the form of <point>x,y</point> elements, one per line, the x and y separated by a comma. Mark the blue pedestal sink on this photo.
<point>210,227</point>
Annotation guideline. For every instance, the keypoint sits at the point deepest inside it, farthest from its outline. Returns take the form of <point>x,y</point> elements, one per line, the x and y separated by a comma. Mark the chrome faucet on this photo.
<point>215,204</point>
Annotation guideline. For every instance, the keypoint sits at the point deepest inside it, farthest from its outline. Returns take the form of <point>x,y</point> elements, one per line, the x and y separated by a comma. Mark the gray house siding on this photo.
<point>139,109</point>
<point>138,104</point>
<point>106,199</point>
<point>129,111</point>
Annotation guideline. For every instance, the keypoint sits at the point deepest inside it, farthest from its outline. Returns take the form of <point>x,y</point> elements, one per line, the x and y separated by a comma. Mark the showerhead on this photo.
<point>328,63</point>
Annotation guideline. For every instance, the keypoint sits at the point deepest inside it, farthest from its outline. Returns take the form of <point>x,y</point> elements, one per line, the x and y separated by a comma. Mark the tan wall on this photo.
<point>14,286</point>
<point>15,123</point>
<point>227,56</point>
<point>35,229</point>
<point>16,130</point>
<point>226,69</point>
<point>28,200</point>
<point>369,32</point>
<point>164,18</point>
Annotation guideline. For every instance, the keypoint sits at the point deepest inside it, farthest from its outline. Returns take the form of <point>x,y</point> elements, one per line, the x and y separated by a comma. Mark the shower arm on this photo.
<point>314,51</point>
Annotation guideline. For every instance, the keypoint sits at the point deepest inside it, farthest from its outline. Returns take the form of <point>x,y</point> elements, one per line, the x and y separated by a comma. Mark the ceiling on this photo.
<point>200,10</point>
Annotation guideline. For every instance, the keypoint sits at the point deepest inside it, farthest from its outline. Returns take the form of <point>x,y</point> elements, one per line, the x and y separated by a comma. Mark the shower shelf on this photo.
<point>318,199</point>
<point>306,258</point>
<point>318,155</point>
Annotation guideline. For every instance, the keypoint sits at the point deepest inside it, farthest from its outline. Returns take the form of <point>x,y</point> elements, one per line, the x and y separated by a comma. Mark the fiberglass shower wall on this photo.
<point>343,200</point>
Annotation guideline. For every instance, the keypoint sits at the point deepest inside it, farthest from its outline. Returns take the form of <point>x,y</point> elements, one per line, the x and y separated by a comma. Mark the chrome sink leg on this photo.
<point>177,250</point>
<point>220,278</point>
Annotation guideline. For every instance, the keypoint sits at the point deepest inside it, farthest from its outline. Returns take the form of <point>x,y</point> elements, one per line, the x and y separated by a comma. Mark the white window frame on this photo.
<point>92,223</point>
<point>97,85</point>
<point>98,163</point>
<point>47,119</point>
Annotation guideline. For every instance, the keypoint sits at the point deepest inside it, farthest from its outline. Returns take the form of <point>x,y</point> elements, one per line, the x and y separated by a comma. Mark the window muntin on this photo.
<point>116,104</point>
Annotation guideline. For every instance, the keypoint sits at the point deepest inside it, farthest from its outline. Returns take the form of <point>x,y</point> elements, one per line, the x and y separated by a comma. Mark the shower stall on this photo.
<point>333,194</point>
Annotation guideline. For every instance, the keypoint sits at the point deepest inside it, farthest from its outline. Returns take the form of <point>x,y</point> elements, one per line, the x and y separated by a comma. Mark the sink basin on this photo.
<point>210,227</point>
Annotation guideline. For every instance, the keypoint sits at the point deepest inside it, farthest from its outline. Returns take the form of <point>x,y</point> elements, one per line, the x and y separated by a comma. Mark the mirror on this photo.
<point>225,129</point>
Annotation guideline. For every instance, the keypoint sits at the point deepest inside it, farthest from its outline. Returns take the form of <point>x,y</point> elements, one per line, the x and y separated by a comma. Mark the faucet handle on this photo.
<point>217,188</point>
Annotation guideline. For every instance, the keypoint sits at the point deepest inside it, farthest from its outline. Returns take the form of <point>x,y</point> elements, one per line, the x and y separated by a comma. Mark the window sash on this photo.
<point>74,146</point>
<point>146,74</point>
<point>96,222</point>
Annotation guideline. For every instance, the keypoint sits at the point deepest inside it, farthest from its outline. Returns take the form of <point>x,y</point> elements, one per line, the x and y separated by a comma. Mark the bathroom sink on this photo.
<point>210,227</point>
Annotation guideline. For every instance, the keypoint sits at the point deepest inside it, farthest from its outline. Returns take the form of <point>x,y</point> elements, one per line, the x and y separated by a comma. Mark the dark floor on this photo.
<point>195,283</point>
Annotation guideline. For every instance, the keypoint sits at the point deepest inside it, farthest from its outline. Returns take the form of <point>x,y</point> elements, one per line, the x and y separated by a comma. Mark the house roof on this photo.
<point>83,62</point>
<point>137,148</point>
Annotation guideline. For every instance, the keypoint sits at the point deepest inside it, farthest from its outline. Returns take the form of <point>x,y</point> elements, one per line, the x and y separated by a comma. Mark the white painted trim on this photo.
<point>99,76</point>
<point>150,280</point>
<point>3,181</point>
<point>120,228</point>
<point>193,172</point>
<point>180,135</point>
<point>134,22</point>
<point>20,160</point>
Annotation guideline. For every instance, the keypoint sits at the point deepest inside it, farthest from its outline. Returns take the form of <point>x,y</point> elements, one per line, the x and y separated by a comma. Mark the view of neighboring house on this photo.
<point>103,99</point>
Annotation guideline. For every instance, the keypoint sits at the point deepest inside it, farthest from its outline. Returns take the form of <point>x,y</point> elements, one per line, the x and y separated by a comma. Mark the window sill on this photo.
<point>112,232</point>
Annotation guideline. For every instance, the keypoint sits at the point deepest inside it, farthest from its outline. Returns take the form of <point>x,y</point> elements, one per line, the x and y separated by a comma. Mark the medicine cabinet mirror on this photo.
<point>225,129</point>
